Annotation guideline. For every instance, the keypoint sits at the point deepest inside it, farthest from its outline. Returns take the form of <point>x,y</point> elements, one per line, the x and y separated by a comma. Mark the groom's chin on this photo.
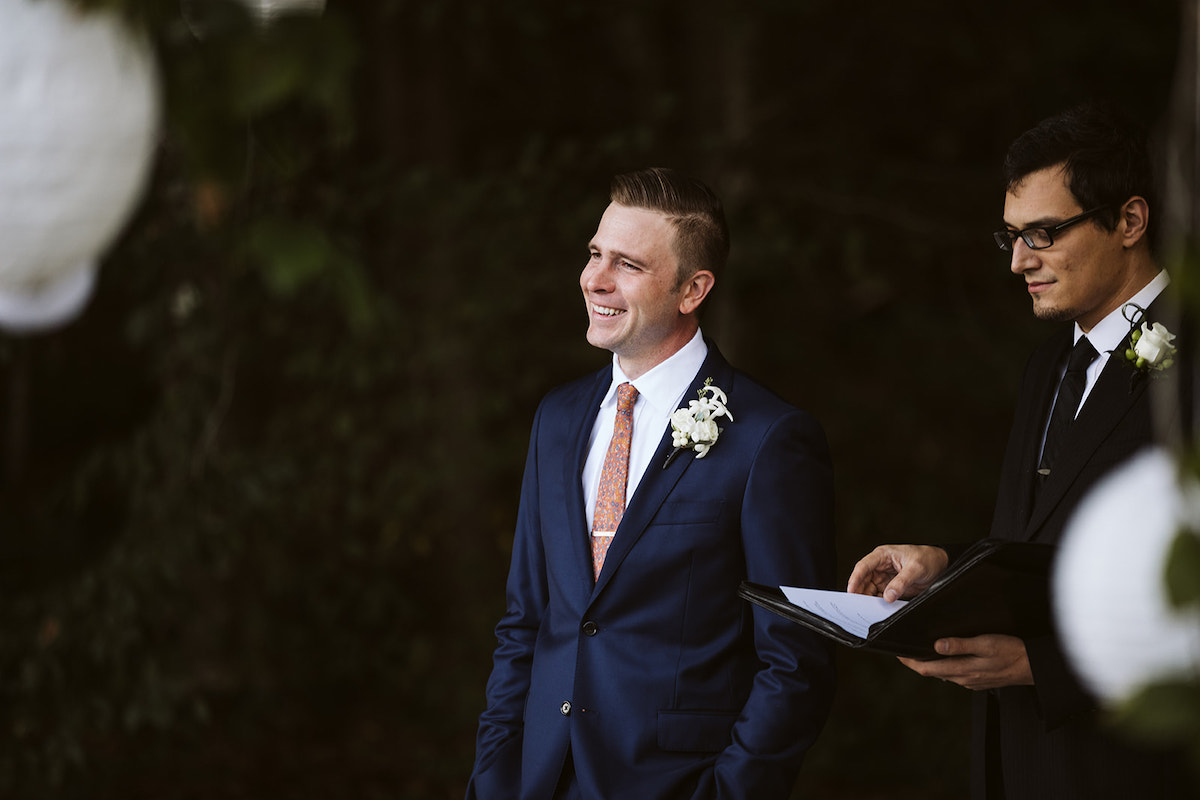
<point>598,338</point>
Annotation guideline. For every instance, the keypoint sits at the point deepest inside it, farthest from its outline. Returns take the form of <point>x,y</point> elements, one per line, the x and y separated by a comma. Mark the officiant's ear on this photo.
<point>1136,216</point>
<point>694,290</point>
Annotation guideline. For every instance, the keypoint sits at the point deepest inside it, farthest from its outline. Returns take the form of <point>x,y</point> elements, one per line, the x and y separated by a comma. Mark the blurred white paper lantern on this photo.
<point>264,11</point>
<point>1110,600</point>
<point>267,10</point>
<point>48,306</point>
<point>79,109</point>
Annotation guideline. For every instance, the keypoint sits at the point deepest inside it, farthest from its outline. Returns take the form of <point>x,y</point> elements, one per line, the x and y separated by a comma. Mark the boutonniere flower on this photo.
<point>694,427</point>
<point>1151,350</point>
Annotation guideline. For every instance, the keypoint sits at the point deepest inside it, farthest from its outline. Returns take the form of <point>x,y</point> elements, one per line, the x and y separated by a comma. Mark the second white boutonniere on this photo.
<point>1151,350</point>
<point>694,427</point>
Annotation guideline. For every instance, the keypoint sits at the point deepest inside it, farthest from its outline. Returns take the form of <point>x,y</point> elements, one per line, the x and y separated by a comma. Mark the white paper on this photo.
<point>853,613</point>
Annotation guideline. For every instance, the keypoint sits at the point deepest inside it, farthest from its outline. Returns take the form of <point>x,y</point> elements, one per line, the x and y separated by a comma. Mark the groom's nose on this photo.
<point>596,277</point>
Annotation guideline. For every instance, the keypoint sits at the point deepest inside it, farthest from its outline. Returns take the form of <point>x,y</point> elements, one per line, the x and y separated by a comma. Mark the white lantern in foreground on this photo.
<point>79,109</point>
<point>266,10</point>
<point>1110,599</point>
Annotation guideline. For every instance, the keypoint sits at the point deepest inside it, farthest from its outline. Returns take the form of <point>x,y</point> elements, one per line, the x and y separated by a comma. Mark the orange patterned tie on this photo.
<point>610,500</point>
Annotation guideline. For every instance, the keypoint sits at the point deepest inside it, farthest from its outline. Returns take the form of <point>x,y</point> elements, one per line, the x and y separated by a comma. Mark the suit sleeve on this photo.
<point>497,771</point>
<point>1060,693</point>
<point>787,538</point>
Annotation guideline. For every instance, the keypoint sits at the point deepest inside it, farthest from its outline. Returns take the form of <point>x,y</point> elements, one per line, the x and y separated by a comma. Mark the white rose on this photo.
<point>706,431</point>
<point>1154,345</point>
<point>681,420</point>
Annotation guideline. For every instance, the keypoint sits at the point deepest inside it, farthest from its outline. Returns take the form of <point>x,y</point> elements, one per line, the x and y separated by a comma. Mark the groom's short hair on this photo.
<point>694,211</point>
<point>1103,151</point>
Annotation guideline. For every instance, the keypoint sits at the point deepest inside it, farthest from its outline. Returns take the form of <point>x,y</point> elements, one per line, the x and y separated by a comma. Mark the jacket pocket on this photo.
<point>695,731</point>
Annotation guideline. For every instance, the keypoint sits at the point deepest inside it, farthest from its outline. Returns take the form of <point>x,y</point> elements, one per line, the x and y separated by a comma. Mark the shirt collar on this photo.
<point>663,385</point>
<point>1109,333</point>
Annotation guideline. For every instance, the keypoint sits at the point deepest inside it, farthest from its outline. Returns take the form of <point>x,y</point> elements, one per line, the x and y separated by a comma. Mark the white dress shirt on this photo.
<point>1109,334</point>
<point>660,392</point>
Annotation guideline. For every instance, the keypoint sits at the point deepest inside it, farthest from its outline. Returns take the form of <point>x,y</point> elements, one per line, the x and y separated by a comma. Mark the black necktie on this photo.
<point>1070,391</point>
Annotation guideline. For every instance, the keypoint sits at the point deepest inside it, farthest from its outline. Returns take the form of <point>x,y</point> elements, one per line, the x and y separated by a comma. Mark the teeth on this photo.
<point>607,312</point>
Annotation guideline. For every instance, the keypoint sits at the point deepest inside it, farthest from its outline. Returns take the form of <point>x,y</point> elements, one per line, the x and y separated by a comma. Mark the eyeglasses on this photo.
<point>1040,238</point>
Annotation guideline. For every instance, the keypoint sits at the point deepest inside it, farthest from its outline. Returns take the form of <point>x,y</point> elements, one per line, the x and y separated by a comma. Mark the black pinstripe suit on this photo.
<point>1048,741</point>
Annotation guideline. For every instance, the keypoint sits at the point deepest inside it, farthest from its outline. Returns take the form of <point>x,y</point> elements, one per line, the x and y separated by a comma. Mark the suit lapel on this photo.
<point>656,484</point>
<point>1115,393</point>
<point>1033,410</point>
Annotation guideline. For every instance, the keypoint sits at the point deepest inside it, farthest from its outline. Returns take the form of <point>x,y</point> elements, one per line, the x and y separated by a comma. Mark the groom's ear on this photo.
<point>694,290</point>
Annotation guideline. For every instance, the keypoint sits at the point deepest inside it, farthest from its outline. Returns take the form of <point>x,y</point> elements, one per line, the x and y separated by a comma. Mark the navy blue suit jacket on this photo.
<point>656,679</point>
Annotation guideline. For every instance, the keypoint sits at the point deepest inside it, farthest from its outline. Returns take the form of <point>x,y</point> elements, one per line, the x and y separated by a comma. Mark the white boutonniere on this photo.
<point>1151,350</point>
<point>694,427</point>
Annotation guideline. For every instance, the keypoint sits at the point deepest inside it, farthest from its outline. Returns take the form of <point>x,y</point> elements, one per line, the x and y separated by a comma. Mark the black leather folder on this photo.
<point>995,586</point>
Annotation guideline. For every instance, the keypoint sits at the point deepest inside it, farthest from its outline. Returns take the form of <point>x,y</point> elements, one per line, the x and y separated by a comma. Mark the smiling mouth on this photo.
<point>607,312</point>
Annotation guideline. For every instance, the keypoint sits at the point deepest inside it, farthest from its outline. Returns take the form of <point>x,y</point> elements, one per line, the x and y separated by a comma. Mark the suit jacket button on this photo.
<point>590,628</point>
<point>565,708</point>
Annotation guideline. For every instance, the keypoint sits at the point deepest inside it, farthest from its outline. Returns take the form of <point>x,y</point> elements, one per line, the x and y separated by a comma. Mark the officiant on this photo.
<point>1078,214</point>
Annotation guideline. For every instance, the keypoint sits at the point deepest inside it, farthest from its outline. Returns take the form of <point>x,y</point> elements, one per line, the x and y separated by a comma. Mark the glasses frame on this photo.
<point>1006,237</point>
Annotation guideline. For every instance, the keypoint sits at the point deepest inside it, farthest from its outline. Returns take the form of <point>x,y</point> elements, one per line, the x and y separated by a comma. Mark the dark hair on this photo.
<point>701,235</point>
<point>1104,153</point>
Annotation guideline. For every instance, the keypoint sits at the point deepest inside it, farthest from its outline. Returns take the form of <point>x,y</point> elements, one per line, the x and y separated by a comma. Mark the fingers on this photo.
<point>896,571</point>
<point>898,587</point>
<point>943,647</point>
<point>950,647</point>
<point>979,662</point>
<point>950,670</point>
<point>984,646</point>
<point>863,578</point>
<point>917,567</point>
<point>876,570</point>
<point>928,669</point>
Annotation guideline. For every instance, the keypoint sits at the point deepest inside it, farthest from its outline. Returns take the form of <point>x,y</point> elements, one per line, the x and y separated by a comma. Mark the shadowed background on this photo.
<point>258,502</point>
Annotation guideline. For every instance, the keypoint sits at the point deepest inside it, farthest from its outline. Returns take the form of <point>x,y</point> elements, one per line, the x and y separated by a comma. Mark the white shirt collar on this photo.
<point>663,386</point>
<point>660,392</point>
<point>1109,333</point>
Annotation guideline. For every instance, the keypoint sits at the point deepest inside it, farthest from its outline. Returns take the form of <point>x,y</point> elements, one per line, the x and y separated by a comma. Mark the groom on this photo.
<point>627,667</point>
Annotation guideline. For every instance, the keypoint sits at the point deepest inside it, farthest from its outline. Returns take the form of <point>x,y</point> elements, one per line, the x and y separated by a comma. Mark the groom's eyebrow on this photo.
<point>631,259</point>
<point>619,254</point>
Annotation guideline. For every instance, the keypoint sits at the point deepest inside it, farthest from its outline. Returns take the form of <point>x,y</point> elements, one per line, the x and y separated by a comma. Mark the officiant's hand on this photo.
<point>896,571</point>
<point>980,662</point>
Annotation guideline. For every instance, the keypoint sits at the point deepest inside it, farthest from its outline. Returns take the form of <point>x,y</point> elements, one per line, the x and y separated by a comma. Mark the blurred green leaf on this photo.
<point>1183,570</point>
<point>1166,712</point>
<point>291,255</point>
<point>294,257</point>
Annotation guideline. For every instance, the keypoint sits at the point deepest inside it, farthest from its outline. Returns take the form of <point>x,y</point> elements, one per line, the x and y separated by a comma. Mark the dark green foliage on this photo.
<point>257,542</point>
<point>1165,713</point>
<point>1182,578</point>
